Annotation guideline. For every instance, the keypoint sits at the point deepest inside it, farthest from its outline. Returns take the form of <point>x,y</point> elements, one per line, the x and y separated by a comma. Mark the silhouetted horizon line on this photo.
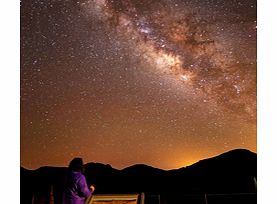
<point>146,165</point>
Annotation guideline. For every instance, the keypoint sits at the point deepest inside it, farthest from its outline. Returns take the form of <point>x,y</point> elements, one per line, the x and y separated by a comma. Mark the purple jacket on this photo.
<point>76,190</point>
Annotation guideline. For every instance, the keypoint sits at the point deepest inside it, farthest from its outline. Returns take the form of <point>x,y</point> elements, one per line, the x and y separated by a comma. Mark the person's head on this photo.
<point>76,164</point>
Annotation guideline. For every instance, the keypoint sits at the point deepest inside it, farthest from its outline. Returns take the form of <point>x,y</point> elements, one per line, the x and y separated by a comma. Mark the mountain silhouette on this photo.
<point>232,172</point>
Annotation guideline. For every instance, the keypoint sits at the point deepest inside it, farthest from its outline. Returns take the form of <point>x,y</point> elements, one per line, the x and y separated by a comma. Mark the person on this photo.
<point>76,190</point>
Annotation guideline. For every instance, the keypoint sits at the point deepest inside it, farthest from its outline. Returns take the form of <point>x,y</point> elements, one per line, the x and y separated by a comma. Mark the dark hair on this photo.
<point>76,164</point>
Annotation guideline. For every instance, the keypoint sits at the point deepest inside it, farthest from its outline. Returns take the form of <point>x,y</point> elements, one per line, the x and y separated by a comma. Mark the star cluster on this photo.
<point>170,81</point>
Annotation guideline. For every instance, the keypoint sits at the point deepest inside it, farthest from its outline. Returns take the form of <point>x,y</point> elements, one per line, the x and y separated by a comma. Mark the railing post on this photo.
<point>159,198</point>
<point>206,200</point>
<point>51,199</point>
<point>142,198</point>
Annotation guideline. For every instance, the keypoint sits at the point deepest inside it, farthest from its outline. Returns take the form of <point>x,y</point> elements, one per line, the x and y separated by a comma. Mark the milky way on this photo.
<point>185,44</point>
<point>165,83</point>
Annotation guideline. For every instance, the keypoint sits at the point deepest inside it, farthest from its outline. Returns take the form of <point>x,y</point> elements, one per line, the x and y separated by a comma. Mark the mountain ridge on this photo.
<point>228,173</point>
<point>141,164</point>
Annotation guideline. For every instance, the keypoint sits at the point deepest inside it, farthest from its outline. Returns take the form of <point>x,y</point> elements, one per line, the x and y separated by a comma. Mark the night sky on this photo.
<point>160,82</point>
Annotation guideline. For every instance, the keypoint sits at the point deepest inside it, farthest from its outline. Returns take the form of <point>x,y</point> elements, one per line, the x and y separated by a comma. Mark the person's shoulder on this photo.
<point>78,174</point>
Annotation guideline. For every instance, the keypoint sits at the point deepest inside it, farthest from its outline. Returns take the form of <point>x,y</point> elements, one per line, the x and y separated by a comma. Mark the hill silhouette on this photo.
<point>232,172</point>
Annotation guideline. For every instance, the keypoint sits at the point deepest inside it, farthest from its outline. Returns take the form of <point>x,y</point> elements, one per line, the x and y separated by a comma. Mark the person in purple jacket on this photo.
<point>76,190</point>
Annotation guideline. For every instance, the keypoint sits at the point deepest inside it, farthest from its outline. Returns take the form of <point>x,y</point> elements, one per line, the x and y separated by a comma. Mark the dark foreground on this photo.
<point>226,179</point>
